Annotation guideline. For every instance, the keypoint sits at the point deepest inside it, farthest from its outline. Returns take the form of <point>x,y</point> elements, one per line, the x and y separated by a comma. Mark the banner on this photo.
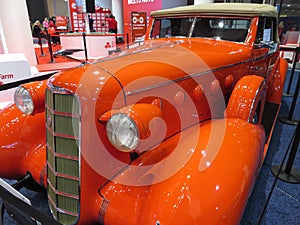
<point>61,22</point>
<point>145,6</point>
<point>139,24</point>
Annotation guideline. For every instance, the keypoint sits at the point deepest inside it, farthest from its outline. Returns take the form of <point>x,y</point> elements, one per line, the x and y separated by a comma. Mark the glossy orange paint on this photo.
<point>37,92</point>
<point>276,81</point>
<point>18,144</point>
<point>199,192</point>
<point>20,151</point>
<point>248,93</point>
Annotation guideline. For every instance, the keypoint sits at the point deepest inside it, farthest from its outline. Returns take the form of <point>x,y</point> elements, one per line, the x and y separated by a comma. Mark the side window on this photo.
<point>171,27</point>
<point>266,30</point>
<point>161,28</point>
<point>155,29</point>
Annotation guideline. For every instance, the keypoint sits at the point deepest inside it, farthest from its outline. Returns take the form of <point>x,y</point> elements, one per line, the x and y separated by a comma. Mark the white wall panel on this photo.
<point>16,30</point>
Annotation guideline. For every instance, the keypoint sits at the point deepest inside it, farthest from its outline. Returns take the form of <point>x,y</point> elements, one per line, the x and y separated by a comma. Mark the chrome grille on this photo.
<point>63,168</point>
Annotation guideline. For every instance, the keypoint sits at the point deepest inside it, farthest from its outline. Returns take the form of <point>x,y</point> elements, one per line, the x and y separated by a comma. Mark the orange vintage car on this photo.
<point>173,130</point>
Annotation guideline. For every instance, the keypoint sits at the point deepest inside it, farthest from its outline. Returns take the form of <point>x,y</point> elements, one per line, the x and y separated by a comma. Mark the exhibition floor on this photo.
<point>48,63</point>
<point>282,207</point>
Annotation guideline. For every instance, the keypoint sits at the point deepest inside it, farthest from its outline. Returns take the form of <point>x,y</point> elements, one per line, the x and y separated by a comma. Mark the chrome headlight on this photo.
<point>122,132</point>
<point>23,100</point>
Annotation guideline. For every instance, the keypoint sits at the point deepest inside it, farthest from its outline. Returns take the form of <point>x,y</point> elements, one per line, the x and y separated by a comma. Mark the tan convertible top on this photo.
<point>228,9</point>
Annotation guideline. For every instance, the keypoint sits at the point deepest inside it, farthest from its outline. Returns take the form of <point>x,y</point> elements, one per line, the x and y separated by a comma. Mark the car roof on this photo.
<point>228,9</point>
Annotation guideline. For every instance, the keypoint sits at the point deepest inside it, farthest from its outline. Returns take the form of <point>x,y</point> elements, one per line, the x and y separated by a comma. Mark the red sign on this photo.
<point>61,22</point>
<point>146,6</point>
<point>139,24</point>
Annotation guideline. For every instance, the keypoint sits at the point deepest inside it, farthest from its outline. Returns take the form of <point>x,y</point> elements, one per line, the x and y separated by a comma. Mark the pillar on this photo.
<point>117,11</point>
<point>15,29</point>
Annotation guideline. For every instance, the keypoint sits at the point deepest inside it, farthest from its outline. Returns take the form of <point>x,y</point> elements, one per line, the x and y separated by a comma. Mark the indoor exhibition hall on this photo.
<point>149,112</point>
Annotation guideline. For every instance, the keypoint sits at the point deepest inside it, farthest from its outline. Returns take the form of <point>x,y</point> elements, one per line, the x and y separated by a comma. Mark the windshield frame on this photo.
<point>191,29</point>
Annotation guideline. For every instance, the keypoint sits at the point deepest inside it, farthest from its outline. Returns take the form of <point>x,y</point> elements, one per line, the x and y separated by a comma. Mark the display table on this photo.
<point>97,44</point>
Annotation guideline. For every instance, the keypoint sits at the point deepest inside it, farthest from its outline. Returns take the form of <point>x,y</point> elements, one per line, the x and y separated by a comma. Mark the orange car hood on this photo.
<point>172,60</point>
<point>169,60</point>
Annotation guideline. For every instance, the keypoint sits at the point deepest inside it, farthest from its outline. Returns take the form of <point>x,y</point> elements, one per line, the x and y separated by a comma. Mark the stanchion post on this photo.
<point>84,44</point>
<point>293,69</point>
<point>291,113</point>
<point>288,94</point>
<point>42,51</point>
<point>41,46</point>
<point>127,40</point>
<point>50,48</point>
<point>287,173</point>
<point>292,156</point>
<point>289,119</point>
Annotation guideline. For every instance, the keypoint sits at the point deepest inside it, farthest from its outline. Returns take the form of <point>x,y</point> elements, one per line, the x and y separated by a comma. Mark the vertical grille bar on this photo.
<point>63,154</point>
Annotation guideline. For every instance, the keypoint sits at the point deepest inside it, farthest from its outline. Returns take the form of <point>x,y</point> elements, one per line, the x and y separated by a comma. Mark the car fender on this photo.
<point>35,163</point>
<point>21,136</point>
<point>213,182</point>
<point>276,81</point>
<point>247,99</point>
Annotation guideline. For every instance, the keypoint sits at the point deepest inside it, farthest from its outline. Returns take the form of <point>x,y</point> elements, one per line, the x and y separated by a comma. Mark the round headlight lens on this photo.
<point>23,100</point>
<point>122,132</point>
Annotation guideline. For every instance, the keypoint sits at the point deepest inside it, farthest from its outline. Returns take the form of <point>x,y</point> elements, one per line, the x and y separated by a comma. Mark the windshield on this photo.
<point>230,29</point>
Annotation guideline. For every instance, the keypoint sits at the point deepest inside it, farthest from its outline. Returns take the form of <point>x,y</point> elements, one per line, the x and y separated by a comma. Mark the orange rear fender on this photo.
<point>276,81</point>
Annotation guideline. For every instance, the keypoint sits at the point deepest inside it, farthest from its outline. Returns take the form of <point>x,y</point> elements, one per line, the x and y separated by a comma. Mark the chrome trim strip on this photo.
<point>63,113</point>
<point>63,193</point>
<point>58,90</point>
<point>56,134</point>
<point>103,208</point>
<point>59,155</point>
<point>62,175</point>
<point>63,210</point>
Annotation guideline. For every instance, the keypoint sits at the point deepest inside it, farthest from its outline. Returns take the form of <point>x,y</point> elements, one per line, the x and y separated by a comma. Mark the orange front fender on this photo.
<point>35,163</point>
<point>212,187</point>
<point>21,139</point>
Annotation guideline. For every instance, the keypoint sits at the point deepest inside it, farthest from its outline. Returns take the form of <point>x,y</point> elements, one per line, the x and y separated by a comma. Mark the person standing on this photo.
<point>112,24</point>
<point>91,23</point>
<point>53,32</point>
<point>36,30</point>
<point>280,31</point>
<point>46,24</point>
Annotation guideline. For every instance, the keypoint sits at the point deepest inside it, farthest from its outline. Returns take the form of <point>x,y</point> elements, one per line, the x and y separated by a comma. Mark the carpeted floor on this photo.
<point>283,207</point>
<point>47,62</point>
